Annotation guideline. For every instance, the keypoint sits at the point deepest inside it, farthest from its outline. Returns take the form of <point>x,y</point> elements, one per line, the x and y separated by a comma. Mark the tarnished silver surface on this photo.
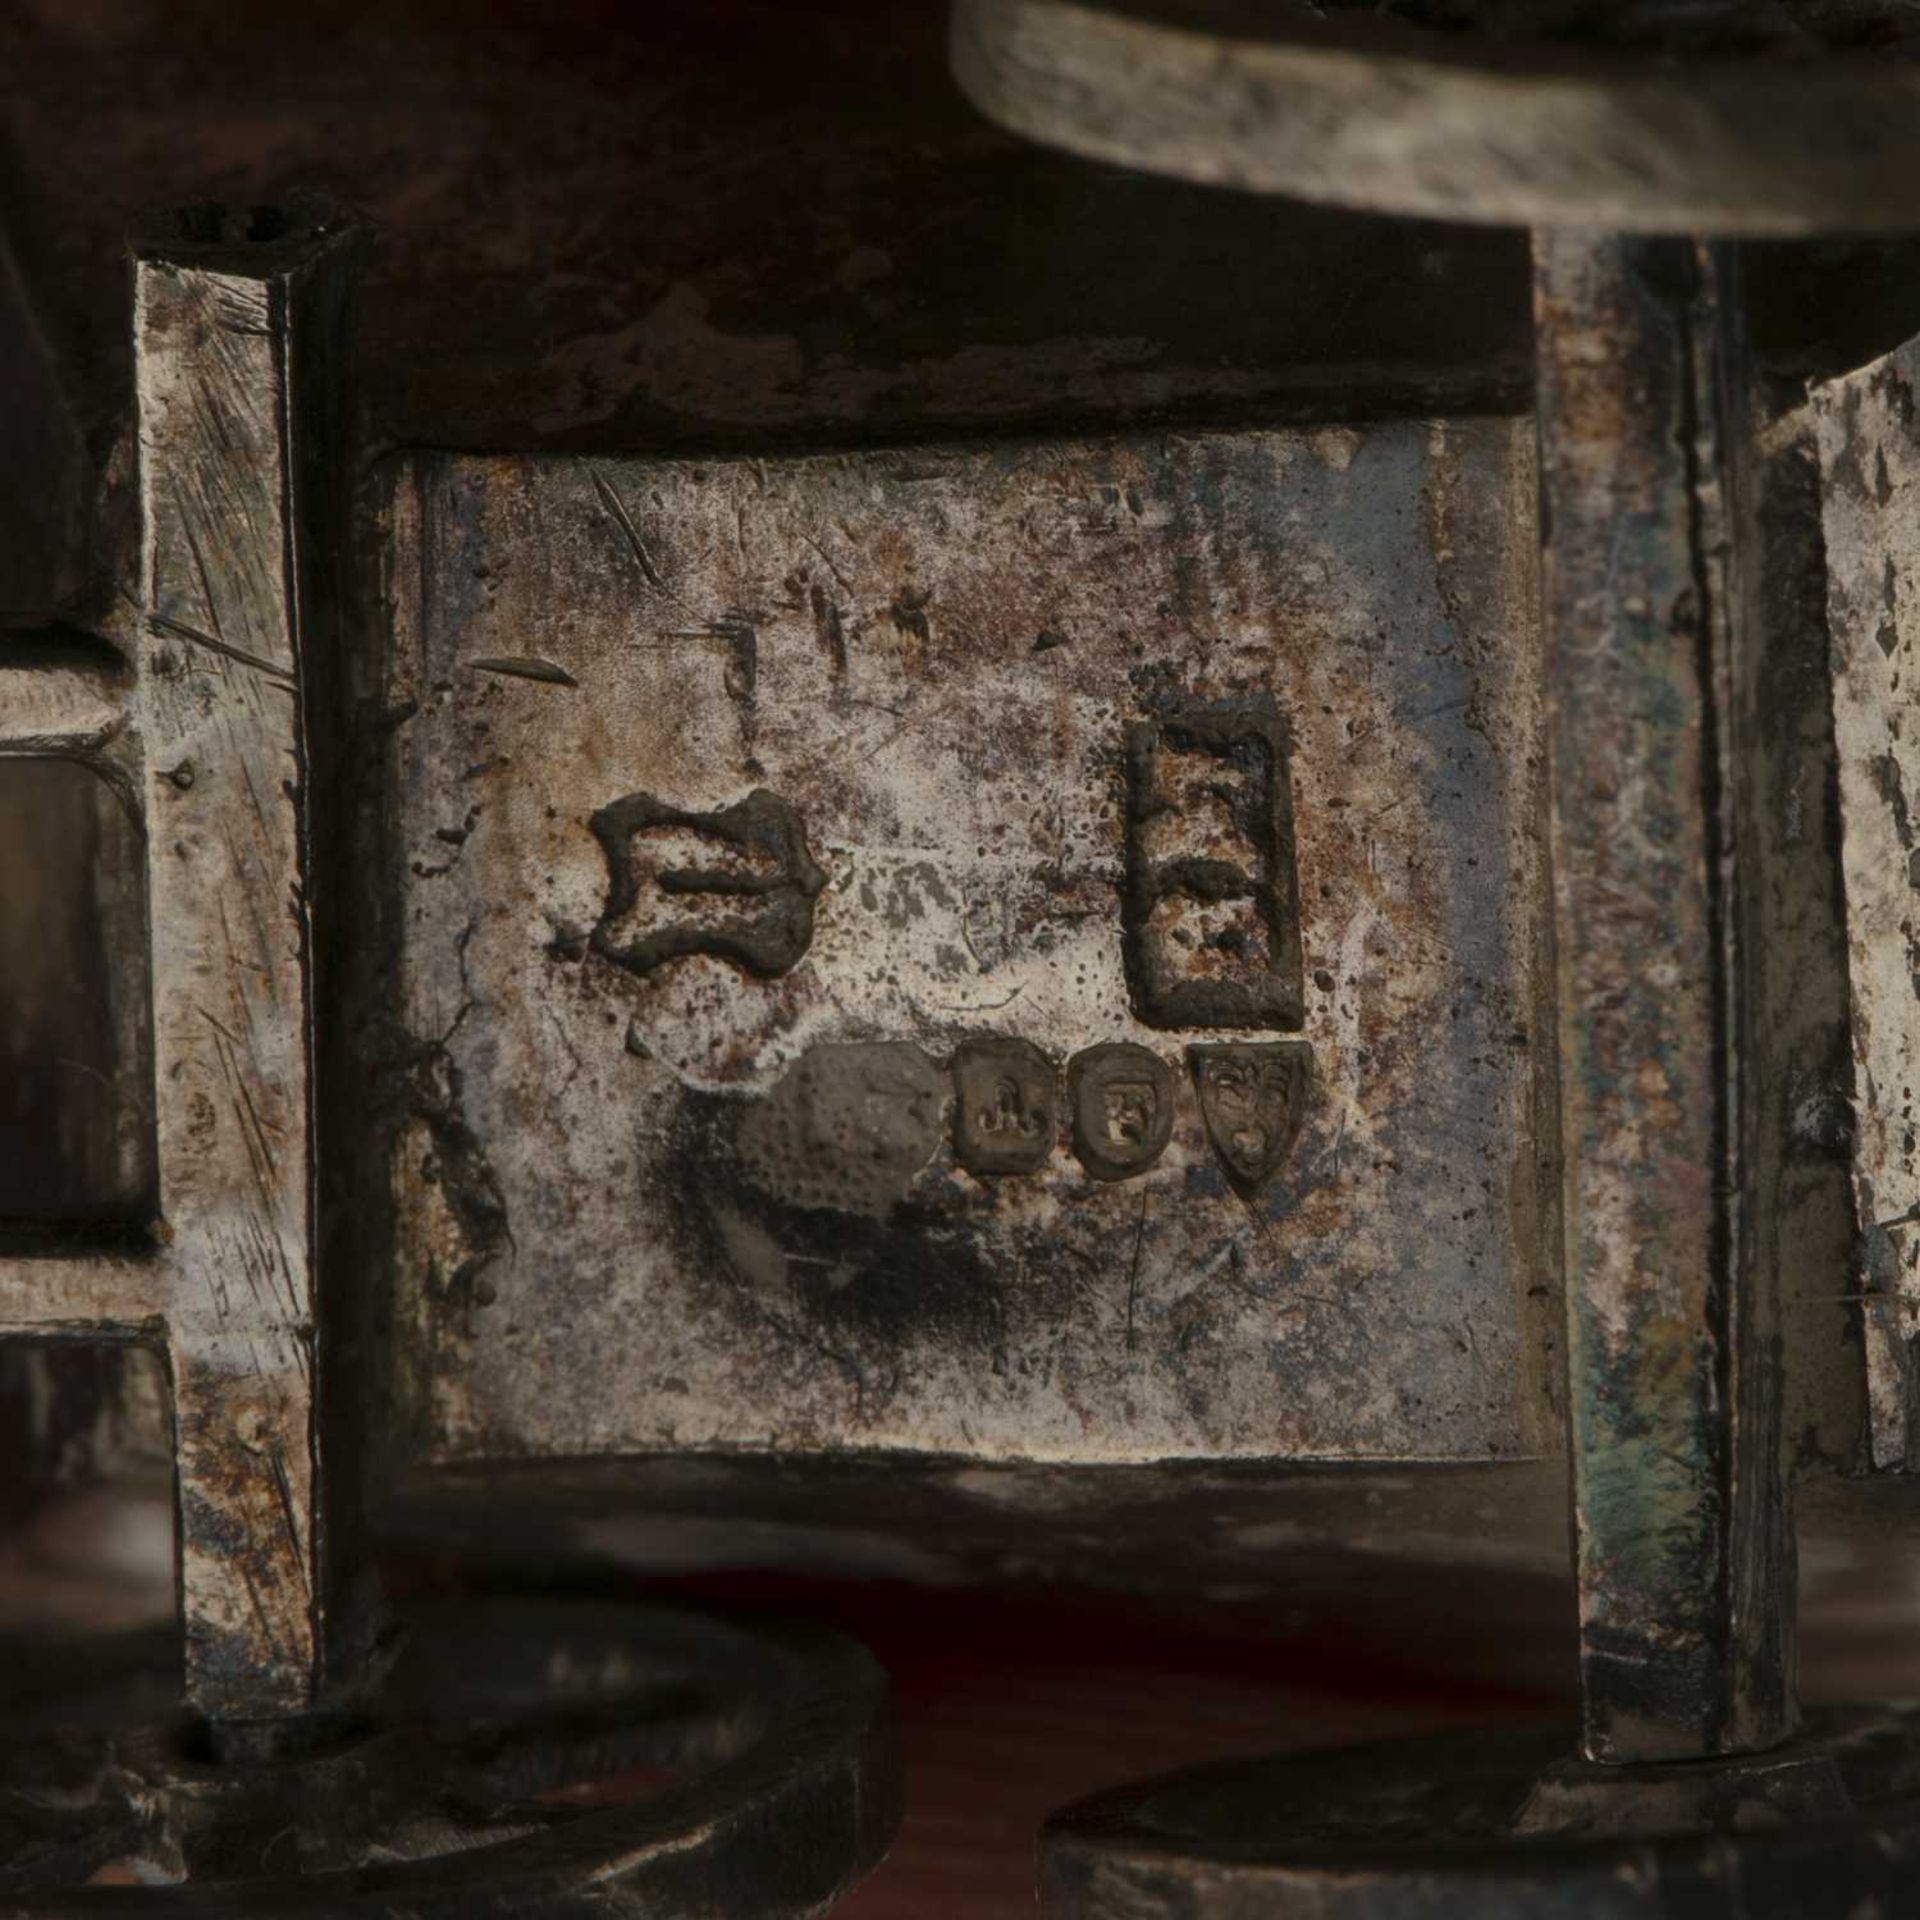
<point>221,711</point>
<point>1683,1546</point>
<point>1870,461</point>
<point>748,808</point>
<point>204,732</point>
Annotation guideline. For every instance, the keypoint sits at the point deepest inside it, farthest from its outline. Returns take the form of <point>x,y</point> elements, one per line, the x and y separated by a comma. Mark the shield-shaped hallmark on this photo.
<point>1253,1099</point>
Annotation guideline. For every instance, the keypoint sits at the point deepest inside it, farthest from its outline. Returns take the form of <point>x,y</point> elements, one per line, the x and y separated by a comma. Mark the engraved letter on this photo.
<point>1211,909</point>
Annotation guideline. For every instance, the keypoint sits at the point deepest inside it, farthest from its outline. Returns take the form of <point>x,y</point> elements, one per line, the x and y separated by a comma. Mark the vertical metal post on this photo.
<point>228,392</point>
<point>1684,1550</point>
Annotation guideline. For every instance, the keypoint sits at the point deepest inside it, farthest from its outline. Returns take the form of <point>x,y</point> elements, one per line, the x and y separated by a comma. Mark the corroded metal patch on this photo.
<point>946,798</point>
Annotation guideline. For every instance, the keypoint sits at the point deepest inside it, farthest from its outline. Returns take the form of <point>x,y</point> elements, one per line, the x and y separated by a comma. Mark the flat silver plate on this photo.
<point>1021,951</point>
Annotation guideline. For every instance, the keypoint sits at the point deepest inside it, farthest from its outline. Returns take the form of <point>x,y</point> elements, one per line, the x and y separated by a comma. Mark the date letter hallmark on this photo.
<point>1211,906</point>
<point>745,894</point>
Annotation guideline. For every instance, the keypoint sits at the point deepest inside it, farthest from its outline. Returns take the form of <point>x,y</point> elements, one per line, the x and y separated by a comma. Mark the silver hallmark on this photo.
<point>810,930</point>
<point>1253,1101</point>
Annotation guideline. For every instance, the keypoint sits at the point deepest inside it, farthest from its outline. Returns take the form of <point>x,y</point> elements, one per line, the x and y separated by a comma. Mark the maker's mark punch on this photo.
<point>749,899</point>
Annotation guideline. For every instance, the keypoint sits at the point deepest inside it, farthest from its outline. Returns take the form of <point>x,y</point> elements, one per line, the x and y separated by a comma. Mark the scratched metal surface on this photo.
<point>1869,460</point>
<point>196,715</point>
<point>717,1204</point>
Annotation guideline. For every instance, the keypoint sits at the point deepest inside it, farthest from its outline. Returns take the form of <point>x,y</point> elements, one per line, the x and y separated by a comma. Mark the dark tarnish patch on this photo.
<point>765,942</point>
<point>452,1233</point>
<point>1641,1498</point>
<point>1897,390</point>
<point>1884,771</point>
<point>799,1200</point>
<point>456,1166</point>
<point>237,1508</point>
<point>742,637</point>
<point>908,612</point>
<point>830,627</point>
